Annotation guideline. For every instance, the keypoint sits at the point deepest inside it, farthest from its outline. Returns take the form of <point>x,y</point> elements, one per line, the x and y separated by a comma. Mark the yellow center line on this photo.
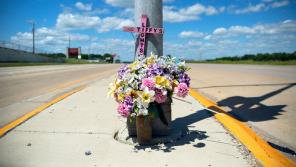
<point>6,128</point>
<point>259,147</point>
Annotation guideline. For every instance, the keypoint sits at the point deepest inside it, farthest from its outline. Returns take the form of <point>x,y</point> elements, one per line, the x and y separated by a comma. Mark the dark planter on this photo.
<point>131,126</point>
<point>161,125</point>
<point>144,129</point>
<point>161,122</point>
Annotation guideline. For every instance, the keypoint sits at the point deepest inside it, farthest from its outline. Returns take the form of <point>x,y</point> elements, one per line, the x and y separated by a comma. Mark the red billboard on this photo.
<point>73,52</point>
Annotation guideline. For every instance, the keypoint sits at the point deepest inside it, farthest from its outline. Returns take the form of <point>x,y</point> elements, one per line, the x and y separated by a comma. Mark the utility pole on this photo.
<point>33,33</point>
<point>69,42</point>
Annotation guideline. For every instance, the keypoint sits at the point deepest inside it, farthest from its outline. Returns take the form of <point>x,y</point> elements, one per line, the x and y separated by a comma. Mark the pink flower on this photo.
<point>123,110</point>
<point>148,82</point>
<point>160,96</point>
<point>182,90</point>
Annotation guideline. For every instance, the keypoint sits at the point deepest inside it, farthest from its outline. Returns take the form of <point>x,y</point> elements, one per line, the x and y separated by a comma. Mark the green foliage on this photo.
<point>107,57</point>
<point>76,61</point>
<point>261,57</point>
<point>53,55</point>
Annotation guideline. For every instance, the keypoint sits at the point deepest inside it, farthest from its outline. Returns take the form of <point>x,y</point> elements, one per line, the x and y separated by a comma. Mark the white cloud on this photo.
<point>251,9</point>
<point>97,11</point>
<point>194,43</point>
<point>50,39</point>
<point>172,14</point>
<point>77,21</point>
<point>82,6</point>
<point>279,4</point>
<point>69,21</point>
<point>208,37</point>
<point>287,26</point>
<point>121,3</point>
<point>241,30</point>
<point>263,6</point>
<point>109,23</point>
<point>191,34</point>
<point>222,9</point>
<point>239,40</point>
<point>220,31</point>
<point>127,3</point>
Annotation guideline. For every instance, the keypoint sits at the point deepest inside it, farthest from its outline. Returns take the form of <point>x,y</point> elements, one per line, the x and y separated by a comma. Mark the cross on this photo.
<point>143,30</point>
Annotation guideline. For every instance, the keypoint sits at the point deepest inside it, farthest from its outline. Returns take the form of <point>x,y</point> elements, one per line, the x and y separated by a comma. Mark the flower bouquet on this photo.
<point>145,84</point>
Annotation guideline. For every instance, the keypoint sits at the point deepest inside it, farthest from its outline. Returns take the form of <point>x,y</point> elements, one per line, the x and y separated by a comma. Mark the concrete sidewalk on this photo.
<point>87,122</point>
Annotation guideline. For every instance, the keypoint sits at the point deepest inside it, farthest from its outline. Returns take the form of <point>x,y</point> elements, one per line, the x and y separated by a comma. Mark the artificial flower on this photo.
<point>182,90</point>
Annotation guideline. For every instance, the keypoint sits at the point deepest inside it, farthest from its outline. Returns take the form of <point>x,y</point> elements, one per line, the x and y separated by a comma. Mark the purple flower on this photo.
<point>183,77</point>
<point>129,102</point>
<point>122,71</point>
<point>154,70</point>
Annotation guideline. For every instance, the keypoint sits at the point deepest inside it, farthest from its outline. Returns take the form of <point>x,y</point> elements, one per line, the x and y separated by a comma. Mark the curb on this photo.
<point>267,155</point>
<point>6,128</point>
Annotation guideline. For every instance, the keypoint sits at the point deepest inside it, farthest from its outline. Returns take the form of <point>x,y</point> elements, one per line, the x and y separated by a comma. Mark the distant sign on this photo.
<point>74,52</point>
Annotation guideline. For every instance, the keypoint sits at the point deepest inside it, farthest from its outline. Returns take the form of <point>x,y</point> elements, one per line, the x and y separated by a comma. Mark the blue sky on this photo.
<point>201,29</point>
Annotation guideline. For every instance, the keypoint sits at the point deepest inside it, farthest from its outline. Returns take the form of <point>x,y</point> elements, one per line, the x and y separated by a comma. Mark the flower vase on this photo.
<point>131,126</point>
<point>144,129</point>
<point>161,124</point>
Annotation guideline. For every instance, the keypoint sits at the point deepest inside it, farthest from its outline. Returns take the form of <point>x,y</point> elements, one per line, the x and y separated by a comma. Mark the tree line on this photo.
<point>282,56</point>
<point>107,57</point>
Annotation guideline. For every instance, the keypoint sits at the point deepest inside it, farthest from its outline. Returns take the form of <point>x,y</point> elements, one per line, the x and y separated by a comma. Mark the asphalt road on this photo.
<point>25,88</point>
<point>262,96</point>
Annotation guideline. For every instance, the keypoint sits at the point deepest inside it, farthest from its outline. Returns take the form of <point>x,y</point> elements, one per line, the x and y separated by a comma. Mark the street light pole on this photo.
<point>33,33</point>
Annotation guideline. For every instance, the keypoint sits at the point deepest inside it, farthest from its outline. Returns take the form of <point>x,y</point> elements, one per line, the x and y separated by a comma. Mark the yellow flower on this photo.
<point>120,97</point>
<point>118,83</point>
<point>162,81</point>
<point>146,98</point>
<point>134,65</point>
<point>150,60</point>
<point>132,93</point>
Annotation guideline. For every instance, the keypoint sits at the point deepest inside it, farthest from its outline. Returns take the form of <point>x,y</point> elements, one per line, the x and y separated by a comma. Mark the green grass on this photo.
<point>292,62</point>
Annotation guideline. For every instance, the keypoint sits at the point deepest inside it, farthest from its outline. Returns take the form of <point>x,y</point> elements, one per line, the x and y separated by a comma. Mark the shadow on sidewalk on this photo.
<point>188,136</point>
<point>242,108</point>
<point>251,109</point>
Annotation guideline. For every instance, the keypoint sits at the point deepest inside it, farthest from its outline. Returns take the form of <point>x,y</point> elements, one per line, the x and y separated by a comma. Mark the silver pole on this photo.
<point>153,9</point>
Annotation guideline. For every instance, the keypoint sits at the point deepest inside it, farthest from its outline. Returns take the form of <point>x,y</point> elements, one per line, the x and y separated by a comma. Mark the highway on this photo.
<point>263,96</point>
<point>25,88</point>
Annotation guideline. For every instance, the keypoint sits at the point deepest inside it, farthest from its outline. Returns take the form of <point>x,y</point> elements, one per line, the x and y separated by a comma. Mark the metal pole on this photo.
<point>69,41</point>
<point>153,9</point>
<point>33,31</point>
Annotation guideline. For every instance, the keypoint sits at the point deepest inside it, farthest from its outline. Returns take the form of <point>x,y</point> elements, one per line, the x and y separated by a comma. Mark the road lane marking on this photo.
<point>267,155</point>
<point>6,128</point>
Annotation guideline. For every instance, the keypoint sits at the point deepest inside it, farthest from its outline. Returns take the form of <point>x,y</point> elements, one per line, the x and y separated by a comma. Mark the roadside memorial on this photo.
<point>144,88</point>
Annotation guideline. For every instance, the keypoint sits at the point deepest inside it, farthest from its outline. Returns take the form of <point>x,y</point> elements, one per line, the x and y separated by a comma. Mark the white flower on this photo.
<point>143,111</point>
<point>146,97</point>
